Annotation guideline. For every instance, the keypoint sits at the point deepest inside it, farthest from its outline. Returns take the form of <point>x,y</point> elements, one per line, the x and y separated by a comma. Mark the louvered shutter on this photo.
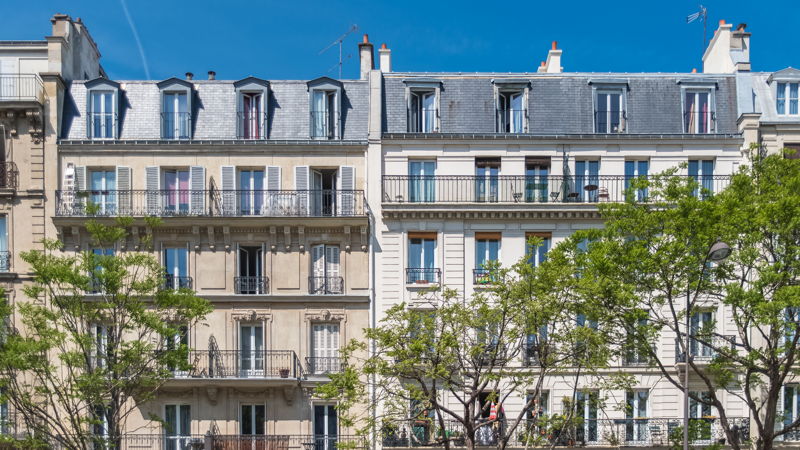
<point>124,190</point>
<point>332,269</point>
<point>317,283</point>
<point>228,190</point>
<point>81,196</point>
<point>153,194</point>
<point>273,187</point>
<point>80,178</point>
<point>301,181</point>
<point>197,186</point>
<point>346,198</point>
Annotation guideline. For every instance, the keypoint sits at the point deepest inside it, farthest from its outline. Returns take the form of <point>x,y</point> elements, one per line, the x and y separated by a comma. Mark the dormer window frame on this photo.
<point>108,119</point>
<point>176,119</point>
<point>782,82</point>
<point>506,121</point>
<point>245,120</point>
<point>419,93</point>
<point>604,116</point>
<point>695,87</point>
<point>325,124</point>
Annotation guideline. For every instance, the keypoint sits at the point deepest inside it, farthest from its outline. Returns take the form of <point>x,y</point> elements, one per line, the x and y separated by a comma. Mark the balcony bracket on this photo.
<point>135,237</point>
<point>35,125</point>
<point>76,238</point>
<point>288,394</point>
<point>273,238</point>
<point>347,238</point>
<point>301,238</point>
<point>196,232</point>
<point>364,239</point>
<point>212,393</point>
<point>287,238</point>
<point>226,233</point>
<point>211,243</point>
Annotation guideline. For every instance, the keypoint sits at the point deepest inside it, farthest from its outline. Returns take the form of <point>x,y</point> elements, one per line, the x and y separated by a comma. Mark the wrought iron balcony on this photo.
<point>699,122</point>
<point>606,122</point>
<point>423,275</point>
<point>242,364</point>
<point>176,125</point>
<point>325,285</point>
<point>285,442</point>
<point>320,365</point>
<point>703,348</point>
<point>177,282</point>
<point>510,189</point>
<point>251,125</point>
<point>323,125</point>
<point>22,87</point>
<point>101,125</point>
<point>251,285</point>
<point>210,203</point>
<point>8,175</point>
<point>484,277</point>
<point>5,261</point>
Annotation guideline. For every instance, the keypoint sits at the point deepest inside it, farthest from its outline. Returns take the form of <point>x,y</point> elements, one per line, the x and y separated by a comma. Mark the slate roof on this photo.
<point>756,92</point>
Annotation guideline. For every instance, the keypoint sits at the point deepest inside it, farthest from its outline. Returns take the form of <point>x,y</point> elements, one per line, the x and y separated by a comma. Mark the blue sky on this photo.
<point>282,40</point>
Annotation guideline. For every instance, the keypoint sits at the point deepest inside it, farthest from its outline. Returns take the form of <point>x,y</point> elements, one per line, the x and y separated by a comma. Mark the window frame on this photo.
<point>696,89</point>
<point>250,86</point>
<point>422,277</point>
<point>328,86</point>
<point>787,97</point>
<point>182,87</point>
<point>508,87</point>
<point>102,86</point>
<point>415,88</point>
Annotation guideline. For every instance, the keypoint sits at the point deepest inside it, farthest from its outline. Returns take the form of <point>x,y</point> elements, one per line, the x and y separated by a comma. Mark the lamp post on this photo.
<point>717,252</point>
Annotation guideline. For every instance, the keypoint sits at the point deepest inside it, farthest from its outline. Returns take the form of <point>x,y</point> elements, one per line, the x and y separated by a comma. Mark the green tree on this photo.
<point>95,339</point>
<point>439,366</point>
<point>652,257</point>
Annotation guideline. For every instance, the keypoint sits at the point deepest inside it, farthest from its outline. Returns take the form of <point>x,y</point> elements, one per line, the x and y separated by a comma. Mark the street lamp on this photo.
<point>716,253</point>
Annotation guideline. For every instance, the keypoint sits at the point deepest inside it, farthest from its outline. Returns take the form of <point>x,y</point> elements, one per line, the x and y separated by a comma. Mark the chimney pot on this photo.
<point>383,46</point>
<point>722,22</point>
<point>212,75</point>
<point>555,45</point>
<point>366,38</point>
<point>385,56</point>
<point>694,70</point>
<point>189,75</point>
<point>741,27</point>
<point>542,64</point>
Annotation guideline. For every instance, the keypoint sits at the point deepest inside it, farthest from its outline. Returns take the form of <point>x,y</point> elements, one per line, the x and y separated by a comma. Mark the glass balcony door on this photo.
<point>536,182</point>
<point>633,170</point>
<point>253,420</point>
<point>421,183</point>
<point>251,344</point>
<point>422,260</point>
<point>699,323</point>
<point>176,116</point>
<point>326,427</point>
<point>176,427</point>
<point>586,404</point>
<point>636,415</point>
<point>104,191</point>
<point>175,195</point>
<point>176,265</point>
<point>587,178</point>
<point>487,172</point>
<point>251,116</point>
<point>102,115</point>
<point>251,192</point>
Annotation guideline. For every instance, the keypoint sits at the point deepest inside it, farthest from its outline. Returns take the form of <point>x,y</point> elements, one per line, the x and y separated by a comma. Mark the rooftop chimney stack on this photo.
<point>553,63</point>
<point>385,58</point>
<point>189,76</point>
<point>728,51</point>
<point>366,54</point>
<point>212,75</point>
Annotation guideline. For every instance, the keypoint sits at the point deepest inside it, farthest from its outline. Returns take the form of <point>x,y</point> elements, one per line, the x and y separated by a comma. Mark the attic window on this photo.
<point>787,93</point>
<point>325,106</point>
<point>423,105</point>
<point>101,109</point>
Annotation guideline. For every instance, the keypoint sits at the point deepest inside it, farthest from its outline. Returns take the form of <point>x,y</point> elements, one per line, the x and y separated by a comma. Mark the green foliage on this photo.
<point>57,371</point>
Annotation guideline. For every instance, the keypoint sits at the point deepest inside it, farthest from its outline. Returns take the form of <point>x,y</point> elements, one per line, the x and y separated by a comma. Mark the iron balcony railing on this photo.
<point>482,277</point>
<point>242,364</point>
<point>523,189</point>
<point>635,431</point>
<point>423,275</point>
<point>22,87</point>
<point>325,285</point>
<point>702,348</point>
<point>699,122</point>
<point>218,203</point>
<point>251,125</point>
<point>510,120</point>
<point>319,365</point>
<point>424,122</point>
<point>177,282</point>
<point>101,125</point>
<point>323,125</point>
<point>251,285</point>
<point>176,125</point>
<point>285,442</point>
<point>5,261</point>
<point>609,121</point>
<point>8,175</point>
<point>162,441</point>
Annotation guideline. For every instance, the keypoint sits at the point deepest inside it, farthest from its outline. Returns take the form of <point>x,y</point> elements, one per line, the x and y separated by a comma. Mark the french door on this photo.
<point>251,345</point>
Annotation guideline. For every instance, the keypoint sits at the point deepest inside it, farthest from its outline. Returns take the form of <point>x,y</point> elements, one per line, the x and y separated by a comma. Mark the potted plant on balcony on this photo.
<point>284,373</point>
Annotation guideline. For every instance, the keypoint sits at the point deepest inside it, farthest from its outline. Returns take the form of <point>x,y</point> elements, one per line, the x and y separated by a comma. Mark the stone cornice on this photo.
<point>493,213</point>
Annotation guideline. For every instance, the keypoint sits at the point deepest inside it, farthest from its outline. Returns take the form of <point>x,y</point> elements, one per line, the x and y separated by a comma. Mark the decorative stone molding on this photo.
<point>212,392</point>
<point>211,241</point>
<point>364,245</point>
<point>273,238</point>
<point>301,238</point>
<point>325,315</point>
<point>287,238</point>
<point>252,316</point>
<point>226,233</point>
<point>347,239</point>
<point>288,394</point>
<point>590,213</point>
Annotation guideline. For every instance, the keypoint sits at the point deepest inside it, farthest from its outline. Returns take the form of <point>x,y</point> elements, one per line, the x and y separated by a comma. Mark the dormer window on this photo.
<point>101,114</point>
<point>610,114</point>
<point>252,99</point>
<point>423,106</point>
<point>511,103</point>
<point>699,110</point>
<point>325,105</point>
<point>787,93</point>
<point>176,107</point>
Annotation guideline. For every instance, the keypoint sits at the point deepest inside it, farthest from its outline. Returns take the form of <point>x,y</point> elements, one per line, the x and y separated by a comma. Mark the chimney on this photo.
<point>189,76</point>
<point>553,63</point>
<point>365,54</point>
<point>728,52</point>
<point>385,58</point>
<point>212,75</point>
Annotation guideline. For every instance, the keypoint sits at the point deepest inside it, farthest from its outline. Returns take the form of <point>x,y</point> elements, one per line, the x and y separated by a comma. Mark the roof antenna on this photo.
<point>353,29</point>
<point>702,13</point>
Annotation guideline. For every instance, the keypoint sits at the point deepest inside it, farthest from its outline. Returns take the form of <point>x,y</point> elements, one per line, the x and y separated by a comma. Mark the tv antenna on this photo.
<point>353,28</point>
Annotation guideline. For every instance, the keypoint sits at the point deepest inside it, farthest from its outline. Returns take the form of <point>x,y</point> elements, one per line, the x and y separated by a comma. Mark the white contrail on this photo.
<point>136,37</point>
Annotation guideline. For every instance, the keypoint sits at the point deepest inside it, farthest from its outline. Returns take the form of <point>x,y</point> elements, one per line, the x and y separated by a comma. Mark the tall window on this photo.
<point>787,93</point>
<point>5,255</point>
<point>634,353</point>
<point>701,323</point>
<point>252,116</point>
<point>702,170</point>
<point>422,111</point>
<point>586,404</point>
<point>510,112</point>
<point>536,181</point>
<point>326,277</point>
<point>791,409</point>
<point>587,179</point>
<point>251,271</point>
<point>175,116</point>
<point>251,192</point>
<point>540,408</point>
<point>700,412</point>
<point>421,181</point>
<point>633,170</point>
<point>422,258</point>
<point>176,426</point>
<point>487,251</point>
<point>326,427</point>
<point>102,334</point>
<point>323,118</point>
<point>100,417</point>
<point>176,265</point>
<point>102,117</point>
<point>98,254</point>
<point>636,414</point>
<point>175,195</point>
<point>487,179</point>
<point>535,347</point>
<point>324,348</point>
<point>698,112</point>
<point>253,420</point>
<point>178,341</point>
<point>609,115</point>
<point>5,420</point>
<point>251,345</point>
<point>537,254</point>
<point>104,191</point>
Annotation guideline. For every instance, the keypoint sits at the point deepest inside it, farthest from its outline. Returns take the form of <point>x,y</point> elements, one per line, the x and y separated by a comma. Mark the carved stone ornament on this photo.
<point>252,316</point>
<point>212,392</point>
<point>325,315</point>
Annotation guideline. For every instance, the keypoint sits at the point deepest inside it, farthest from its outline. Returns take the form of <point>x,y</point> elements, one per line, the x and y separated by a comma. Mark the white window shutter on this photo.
<point>228,177</point>
<point>80,178</point>
<point>332,261</point>
<point>197,186</point>
<point>301,182</point>
<point>152,184</point>
<point>124,190</point>
<point>346,198</point>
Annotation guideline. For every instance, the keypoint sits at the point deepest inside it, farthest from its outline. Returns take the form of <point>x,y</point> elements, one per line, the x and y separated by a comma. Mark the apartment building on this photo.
<point>474,164</point>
